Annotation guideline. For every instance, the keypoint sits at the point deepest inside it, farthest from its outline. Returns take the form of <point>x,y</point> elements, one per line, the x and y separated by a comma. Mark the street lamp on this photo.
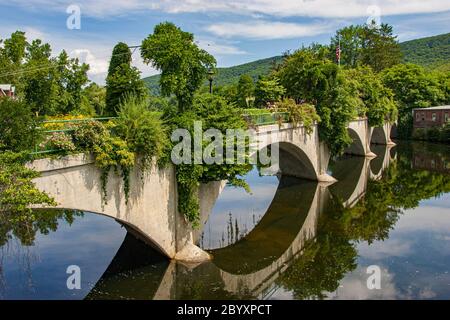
<point>210,78</point>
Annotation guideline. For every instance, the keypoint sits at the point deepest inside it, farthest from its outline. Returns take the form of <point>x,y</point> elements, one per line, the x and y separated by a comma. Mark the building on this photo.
<point>7,90</point>
<point>431,117</point>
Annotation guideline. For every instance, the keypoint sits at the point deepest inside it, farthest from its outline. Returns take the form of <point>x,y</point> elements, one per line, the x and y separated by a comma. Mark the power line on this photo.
<point>24,71</point>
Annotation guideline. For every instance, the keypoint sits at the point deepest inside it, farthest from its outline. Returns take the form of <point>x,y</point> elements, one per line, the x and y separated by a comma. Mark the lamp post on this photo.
<point>210,78</point>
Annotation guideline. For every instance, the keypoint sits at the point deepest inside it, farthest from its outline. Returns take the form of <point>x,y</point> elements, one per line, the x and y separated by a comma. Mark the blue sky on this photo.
<point>233,31</point>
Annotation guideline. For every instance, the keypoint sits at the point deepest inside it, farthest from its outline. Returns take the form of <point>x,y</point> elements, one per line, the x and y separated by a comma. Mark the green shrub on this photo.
<point>299,113</point>
<point>142,129</point>
<point>419,134</point>
<point>445,134</point>
<point>18,128</point>
<point>433,134</point>
<point>89,133</point>
<point>17,191</point>
<point>60,141</point>
<point>113,152</point>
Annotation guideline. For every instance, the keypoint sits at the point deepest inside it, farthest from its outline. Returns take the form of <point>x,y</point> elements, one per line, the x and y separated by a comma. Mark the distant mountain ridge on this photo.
<point>431,52</point>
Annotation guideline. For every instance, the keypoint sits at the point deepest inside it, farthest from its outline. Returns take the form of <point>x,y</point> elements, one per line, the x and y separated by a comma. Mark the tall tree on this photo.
<point>380,48</point>
<point>15,47</point>
<point>245,91</point>
<point>369,44</point>
<point>350,41</point>
<point>267,91</point>
<point>413,88</point>
<point>183,64</point>
<point>40,79</point>
<point>309,76</point>
<point>11,57</point>
<point>122,79</point>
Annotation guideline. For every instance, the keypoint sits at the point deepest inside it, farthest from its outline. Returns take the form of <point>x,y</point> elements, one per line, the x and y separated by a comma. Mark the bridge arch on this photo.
<point>357,147</point>
<point>352,174</point>
<point>393,132</point>
<point>379,136</point>
<point>293,161</point>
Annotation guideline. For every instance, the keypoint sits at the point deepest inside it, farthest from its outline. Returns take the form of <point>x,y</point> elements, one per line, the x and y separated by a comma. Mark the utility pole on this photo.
<point>210,78</point>
<point>339,62</point>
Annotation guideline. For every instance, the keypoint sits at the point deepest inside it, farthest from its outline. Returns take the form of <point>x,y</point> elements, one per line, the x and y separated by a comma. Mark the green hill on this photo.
<point>229,75</point>
<point>431,52</point>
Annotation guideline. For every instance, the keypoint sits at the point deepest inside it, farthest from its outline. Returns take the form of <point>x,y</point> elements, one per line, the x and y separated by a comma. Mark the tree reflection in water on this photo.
<point>419,172</point>
<point>332,254</point>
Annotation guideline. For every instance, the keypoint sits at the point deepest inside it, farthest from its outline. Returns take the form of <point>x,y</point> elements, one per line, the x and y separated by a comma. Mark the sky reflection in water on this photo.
<point>415,258</point>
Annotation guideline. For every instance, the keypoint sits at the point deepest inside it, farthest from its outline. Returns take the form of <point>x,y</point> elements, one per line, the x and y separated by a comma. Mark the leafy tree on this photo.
<point>40,88</point>
<point>350,40</point>
<point>70,77</point>
<point>11,55</point>
<point>48,84</point>
<point>377,100</point>
<point>17,190</point>
<point>310,77</point>
<point>413,88</point>
<point>15,47</point>
<point>369,45</point>
<point>380,47</point>
<point>17,126</point>
<point>245,91</point>
<point>268,90</point>
<point>227,92</point>
<point>122,79</point>
<point>182,63</point>
<point>93,100</point>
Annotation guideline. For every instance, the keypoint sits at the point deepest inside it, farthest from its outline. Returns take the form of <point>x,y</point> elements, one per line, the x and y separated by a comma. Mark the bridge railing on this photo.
<point>50,127</point>
<point>63,126</point>
<point>266,118</point>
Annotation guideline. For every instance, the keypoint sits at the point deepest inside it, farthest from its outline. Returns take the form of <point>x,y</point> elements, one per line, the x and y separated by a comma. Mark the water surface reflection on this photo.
<point>290,238</point>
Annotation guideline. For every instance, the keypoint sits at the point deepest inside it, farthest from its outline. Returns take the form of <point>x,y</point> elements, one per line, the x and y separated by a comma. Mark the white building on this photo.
<point>7,90</point>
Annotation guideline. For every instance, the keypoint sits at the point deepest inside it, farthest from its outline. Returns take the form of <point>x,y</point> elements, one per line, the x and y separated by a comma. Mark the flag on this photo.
<point>338,54</point>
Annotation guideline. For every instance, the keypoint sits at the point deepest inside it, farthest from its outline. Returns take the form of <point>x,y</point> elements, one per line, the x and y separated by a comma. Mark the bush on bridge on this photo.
<point>310,77</point>
<point>17,190</point>
<point>377,101</point>
<point>213,112</point>
<point>304,114</point>
<point>142,129</point>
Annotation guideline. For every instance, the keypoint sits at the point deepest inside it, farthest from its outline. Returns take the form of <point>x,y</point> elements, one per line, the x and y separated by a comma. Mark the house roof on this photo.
<point>7,87</point>
<point>434,108</point>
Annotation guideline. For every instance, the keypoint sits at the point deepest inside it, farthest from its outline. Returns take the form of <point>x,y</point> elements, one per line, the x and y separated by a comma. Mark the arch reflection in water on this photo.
<point>250,266</point>
<point>305,264</point>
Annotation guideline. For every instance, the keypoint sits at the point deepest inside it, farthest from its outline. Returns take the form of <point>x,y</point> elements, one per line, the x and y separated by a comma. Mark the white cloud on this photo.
<point>268,30</point>
<point>379,249</point>
<point>94,52</point>
<point>284,8</point>
<point>97,66</point>
<point>215,48</point>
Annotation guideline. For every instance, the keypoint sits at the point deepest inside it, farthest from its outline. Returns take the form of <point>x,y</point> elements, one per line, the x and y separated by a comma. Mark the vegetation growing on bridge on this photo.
<point>307,84</point>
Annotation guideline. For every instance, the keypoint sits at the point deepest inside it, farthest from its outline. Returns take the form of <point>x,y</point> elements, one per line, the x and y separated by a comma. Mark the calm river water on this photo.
<point>288,239</point>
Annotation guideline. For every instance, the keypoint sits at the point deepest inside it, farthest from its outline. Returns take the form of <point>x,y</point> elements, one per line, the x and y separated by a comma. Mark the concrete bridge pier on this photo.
<point>150,212</point>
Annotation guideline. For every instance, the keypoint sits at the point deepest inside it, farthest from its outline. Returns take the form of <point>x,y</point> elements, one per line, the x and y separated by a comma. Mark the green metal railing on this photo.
<point>66,130</point>
<point>268,118</point>
<point>257,119</point>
